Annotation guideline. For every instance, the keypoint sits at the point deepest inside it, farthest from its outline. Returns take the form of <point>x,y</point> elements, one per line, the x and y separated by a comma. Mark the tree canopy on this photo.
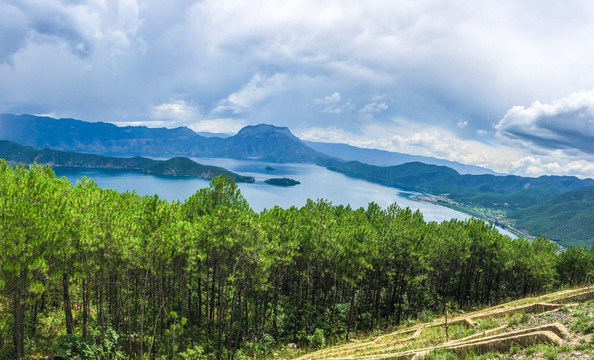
<point>126,276</point>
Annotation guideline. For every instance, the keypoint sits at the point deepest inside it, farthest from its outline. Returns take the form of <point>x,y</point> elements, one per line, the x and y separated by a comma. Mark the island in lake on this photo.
<point>282,182</point>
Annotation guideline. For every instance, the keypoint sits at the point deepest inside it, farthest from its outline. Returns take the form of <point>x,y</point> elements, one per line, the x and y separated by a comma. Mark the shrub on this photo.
<point>317,340</point>
<point>71,345</point>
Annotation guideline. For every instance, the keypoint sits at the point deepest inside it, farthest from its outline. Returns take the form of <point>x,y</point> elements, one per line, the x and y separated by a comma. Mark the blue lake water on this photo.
<point>316,183</point>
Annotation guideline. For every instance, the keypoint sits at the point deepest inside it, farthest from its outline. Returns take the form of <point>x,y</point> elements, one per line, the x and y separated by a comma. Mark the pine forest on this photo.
<point>100,274</point>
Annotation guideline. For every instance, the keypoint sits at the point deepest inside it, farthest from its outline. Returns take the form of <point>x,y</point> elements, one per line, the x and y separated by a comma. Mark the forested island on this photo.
<point>100,274</point>
<point>282,182</point>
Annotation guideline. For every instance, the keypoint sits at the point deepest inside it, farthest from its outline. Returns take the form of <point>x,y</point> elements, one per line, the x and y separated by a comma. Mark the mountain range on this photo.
<point>390,158</point>
<point>518,198</point>
<point>260,142</point>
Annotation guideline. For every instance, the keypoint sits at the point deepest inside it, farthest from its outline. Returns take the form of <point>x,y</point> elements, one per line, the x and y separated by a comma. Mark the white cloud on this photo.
<point>256,90</point>
<point>553,165</point>
<point>330,134</point>
<point>177,112</point>
<point>313,64</point>
<point>375,107</point>
<point>225,126</point>
<point>330,99</point>
<point>567,123</point>
<point>333,104</point>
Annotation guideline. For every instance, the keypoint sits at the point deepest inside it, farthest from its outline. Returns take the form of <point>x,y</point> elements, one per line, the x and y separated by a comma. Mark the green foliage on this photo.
<point>441,354</point>
<point>460,331</point>
<point>547,351</point>
<point>564,218</point>
<point>70,346</point>
<point>583,322</point>
<point>282,182</point>
<point>208,278</point>
<point>195,353</point>
<point>486,324</point>
<point>177,166</point>
<point>317,340</point>
<point>518,319</point>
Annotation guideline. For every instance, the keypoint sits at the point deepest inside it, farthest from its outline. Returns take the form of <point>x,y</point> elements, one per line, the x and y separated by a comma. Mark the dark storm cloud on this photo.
<point>453,67</point>
<point>567,124</point>
<point>14,30</point>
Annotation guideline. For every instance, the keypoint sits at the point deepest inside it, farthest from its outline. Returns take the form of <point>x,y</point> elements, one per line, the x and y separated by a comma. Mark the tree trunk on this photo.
<point>275,309</point>
<point>85,314</point>
<point>67,305</point>
<point>350,320</point>
<point>18,333</point>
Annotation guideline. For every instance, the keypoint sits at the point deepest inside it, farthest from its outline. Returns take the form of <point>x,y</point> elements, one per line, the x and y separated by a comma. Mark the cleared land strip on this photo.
<point>401,344</point>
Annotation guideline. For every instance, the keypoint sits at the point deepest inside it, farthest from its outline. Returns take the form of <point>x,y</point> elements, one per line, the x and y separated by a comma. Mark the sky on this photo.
<point>507,85</point>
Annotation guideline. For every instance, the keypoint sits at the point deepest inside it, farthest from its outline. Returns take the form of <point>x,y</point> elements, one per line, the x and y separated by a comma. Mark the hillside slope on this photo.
<point>565,216</point>
<point>504,192</point>
<point>552,326</point>
<point>15,153</point>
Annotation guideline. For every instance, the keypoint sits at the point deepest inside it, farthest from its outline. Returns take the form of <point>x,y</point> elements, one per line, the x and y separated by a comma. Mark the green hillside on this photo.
<point>490,191</point>
<point>99,274</point>
<point>566,219</point>
<point>16,153</point>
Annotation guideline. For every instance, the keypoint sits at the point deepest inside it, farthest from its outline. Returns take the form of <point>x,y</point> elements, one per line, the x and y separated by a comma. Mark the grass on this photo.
<point>579,320</point>
<point>583,322</point>
<point>459,332</point>
<point>487,324</point>
<point>518,319</point>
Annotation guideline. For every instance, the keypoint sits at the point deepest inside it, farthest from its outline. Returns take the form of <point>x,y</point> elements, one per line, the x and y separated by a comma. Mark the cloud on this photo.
<point>13,30</point>
<point>417,139</point>
<point>553,165</point>
<point>330,134</point>
<point>567,123</point>
<point>225,126</point>
<point>256,90</point>
<point>375,107</point>
<point>330,99</point>
<point>83,25</point>
<point>333,104</point>
<point>315,64</point>
<point>177,112</point>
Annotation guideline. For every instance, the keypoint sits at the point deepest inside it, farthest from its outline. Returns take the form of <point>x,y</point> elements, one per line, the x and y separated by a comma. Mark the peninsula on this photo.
<point>178,166</point>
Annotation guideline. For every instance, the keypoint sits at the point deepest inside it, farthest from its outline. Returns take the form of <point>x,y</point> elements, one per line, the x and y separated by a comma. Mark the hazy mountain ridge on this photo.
<point>389,158</point>
<point>261,142</point>
<point>178,166</point>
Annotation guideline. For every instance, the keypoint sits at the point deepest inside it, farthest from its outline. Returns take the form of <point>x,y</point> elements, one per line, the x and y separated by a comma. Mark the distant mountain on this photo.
<point>388,158</point>
<point>260,142</point>
<point>566,219</point>
<point>99,137</point>
<point>268,143</point>
<point>178,166</point>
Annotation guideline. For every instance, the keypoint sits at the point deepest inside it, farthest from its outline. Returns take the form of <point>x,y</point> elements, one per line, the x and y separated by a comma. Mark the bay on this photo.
<point>315,183</point>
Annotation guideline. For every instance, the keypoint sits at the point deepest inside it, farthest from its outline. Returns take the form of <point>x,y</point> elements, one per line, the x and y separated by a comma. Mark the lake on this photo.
<point>316,183</point>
